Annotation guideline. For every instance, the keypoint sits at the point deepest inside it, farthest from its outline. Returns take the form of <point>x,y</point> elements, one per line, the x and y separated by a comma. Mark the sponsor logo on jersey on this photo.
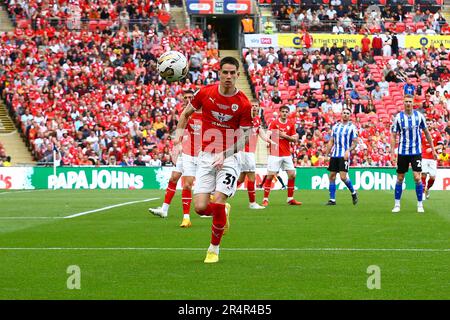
<point>223,107</point>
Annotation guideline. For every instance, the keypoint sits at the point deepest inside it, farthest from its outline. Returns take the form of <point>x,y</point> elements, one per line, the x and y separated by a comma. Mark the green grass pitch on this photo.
<point>282,252</point>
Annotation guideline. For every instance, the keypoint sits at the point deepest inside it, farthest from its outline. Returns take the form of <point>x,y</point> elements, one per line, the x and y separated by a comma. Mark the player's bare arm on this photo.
<point>352,147</point>
<point>393,144</point>
<point>293,138</point>
<point>329,147</point>
<point>430,141</point>
<point>265,136</point>
<point>179,132</point>
<point>243,139</point>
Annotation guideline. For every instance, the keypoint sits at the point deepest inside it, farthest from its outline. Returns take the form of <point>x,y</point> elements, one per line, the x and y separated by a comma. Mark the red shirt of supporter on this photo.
<point>222,116</point>
<point>283,148</point>
<point>193,141</point>
<point>437,139</point>
<point>365,45</point>
<point>307,40</point>
<point>251,145</point>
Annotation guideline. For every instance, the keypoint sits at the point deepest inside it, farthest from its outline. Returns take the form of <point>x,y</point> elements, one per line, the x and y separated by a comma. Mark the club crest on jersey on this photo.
<point>221,116</point>
<point>234,107</point>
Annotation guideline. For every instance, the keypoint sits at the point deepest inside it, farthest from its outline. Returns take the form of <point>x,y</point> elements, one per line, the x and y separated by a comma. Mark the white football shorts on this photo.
<point>209,180</point>
<point>275,164</point>
<point>248,162</point>
<point>429,166</point>
<point>186,165</point>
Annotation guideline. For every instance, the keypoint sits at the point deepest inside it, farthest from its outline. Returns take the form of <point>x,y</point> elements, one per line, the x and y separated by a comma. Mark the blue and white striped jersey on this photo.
<point>343,135</point>
<point>409,128</point>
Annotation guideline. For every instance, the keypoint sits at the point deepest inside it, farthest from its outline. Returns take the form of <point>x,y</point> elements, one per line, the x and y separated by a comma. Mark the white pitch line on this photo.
<point>21,191</point>
<point>108,207</point>
<point>29,218</point>
<point>234,249</point>
<point>79,214</point>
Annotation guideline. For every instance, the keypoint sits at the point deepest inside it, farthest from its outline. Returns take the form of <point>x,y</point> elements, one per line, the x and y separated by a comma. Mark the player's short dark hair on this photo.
<point>229,60</point>
<point>408,96</point>
<point>188,91</point>
<point>284,107</point>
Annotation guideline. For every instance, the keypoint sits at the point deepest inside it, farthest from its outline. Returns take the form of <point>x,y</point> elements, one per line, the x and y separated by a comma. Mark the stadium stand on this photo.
<point>95,94</point>
<point>84,80</point>
<point>358,17</point>
<point>318,86</point>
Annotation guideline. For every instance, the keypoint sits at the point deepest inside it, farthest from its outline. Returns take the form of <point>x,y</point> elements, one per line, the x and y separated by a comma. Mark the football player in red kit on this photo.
<point>248,161</point>
<point>283,132</point>
<point>186,166</point>
<point>226,126</point>
<point>429,164</point>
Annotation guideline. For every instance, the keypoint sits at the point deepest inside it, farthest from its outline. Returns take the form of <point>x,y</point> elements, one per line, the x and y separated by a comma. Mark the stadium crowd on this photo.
<point>318,84</point>
<point>95,96</point>
<point>342,17</point>
<point>76,14</point>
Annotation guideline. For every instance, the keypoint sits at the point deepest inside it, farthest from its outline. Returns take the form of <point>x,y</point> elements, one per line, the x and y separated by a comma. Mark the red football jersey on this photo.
<point>251,145</point>
<point>193,139</point>
<point>437,138</point>
<point>283,148</point>
<point>221,117</point>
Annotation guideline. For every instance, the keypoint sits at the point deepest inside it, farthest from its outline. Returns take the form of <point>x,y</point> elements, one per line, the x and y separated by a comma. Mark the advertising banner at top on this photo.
<point>292,40</point>
<point>237,6</point>
<point>200,6</point>
<point>219,6</point>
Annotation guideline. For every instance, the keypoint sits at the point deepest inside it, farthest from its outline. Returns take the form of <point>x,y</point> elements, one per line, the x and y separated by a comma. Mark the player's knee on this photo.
<point>343,176</point>
<point>200,208</point>
<point>174,179</point>
<point>187,185</point>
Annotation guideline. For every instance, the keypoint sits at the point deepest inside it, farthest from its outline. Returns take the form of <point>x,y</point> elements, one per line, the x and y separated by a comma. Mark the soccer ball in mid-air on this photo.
<point>172,66</point>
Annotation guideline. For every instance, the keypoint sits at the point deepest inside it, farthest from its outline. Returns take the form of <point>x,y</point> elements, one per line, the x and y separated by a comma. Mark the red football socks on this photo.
<point>251,191</point>
<point>430,183</point>
<point>290,188</point>
<point>267,186</point>
<point>186,199</point>
<point>170,192</point>
<point>424,181</point>
<point>219,221</point>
